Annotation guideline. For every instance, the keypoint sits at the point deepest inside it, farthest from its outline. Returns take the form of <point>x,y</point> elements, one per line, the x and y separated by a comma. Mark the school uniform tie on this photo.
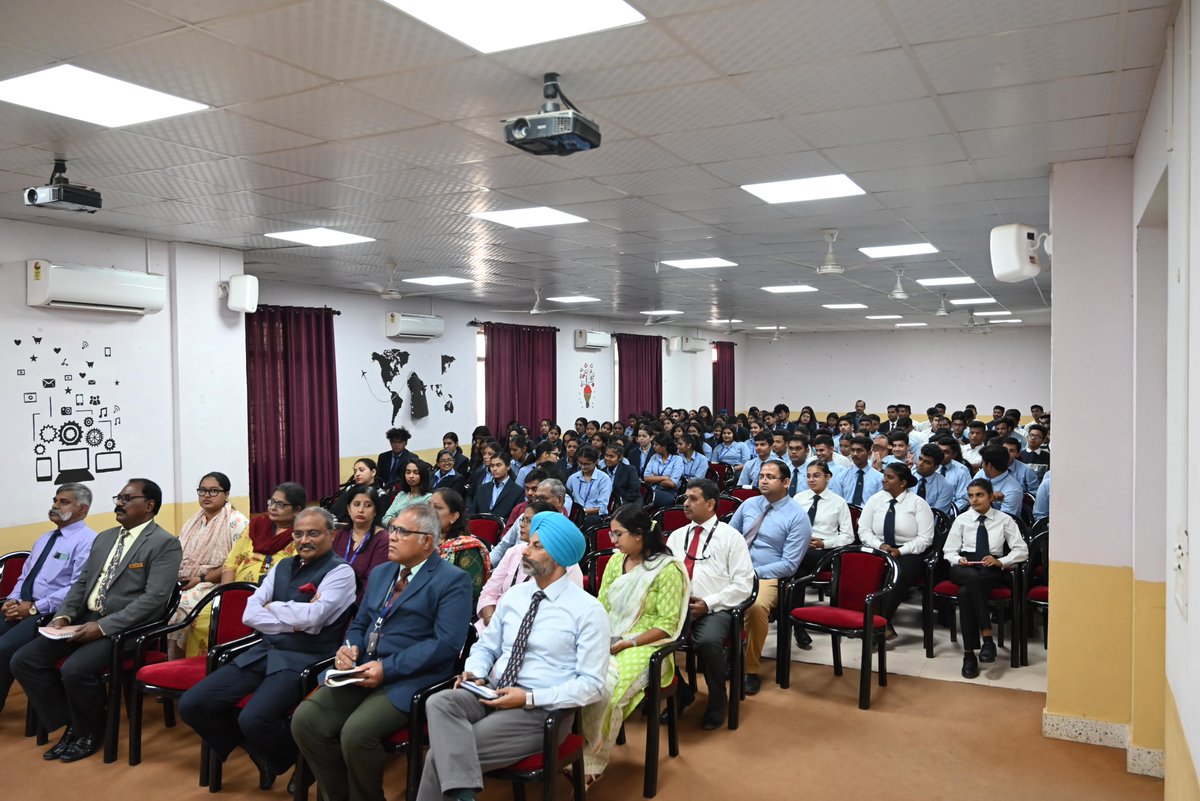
<point>921,488</point>
<point>982,546</point>
<point>795,482</point>
<point>889,524</point>
<point>858,489</point>
<point>812,510</point>
<point>517,655</point>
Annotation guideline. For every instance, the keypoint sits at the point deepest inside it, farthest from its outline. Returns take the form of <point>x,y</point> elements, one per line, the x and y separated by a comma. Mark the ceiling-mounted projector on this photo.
<point>62,195</point>
<point>553,131</point>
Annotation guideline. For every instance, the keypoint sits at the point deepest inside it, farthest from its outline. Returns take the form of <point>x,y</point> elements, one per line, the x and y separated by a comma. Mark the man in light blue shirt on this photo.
<point>777,532</point>
<point>1008,491</point>
<point>931,486</point>
<point>1021,472</point>
<point>53,565</point>
<point>859,481</point>
<point>546,648</point>
<point>954,471</point>
<point>1041,504</point>
<point>762,453</point>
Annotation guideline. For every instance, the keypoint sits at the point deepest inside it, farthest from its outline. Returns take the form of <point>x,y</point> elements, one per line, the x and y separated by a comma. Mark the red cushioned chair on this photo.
<point>167,681</point>
<point>718,472</point>
<point>743,494</point>
<point>1037,587</point>
<point>737,634</point>
<point>727,505</point>
<point>487,528</point>
<point>1004,600</point>
<point>936,569</point>
<point>545,764</point>
<point>598,538</point>
<point>862,577</point>
<point>11,565</point>
<point>593,569</point>
<point>670,518</point>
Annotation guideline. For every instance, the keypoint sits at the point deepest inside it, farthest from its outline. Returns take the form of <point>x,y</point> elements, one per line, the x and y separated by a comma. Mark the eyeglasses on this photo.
<point>126,498</point>
<point>274,504</point>
<point>311,534</point>
<point>209,491</point>
<point>400,531</point>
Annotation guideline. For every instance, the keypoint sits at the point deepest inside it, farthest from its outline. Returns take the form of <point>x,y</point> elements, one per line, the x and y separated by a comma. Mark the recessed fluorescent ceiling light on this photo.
<point>725,322</point>
<point>892,251</point>
<point>89,96</point>
<point>320,237</point>
<point>660,312</point>
<point>885,317</point>
<point>770,328</point>
<point>574,299</point>
<point>953,280</point>
<point>529,218</point>
<point>789,288</point>
<point>1006,320</point>
<point>973,301</point>
<point>489,26</point>
<point>992,313</point>
<point>820,188</point>
<point>436,280</point>
<point>695,264</point>
<point>910,325</point>
<point>843,306</point>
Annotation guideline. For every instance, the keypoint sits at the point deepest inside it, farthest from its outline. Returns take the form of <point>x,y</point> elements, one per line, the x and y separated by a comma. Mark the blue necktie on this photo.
<point>858,490</point>
<point>27,586</point>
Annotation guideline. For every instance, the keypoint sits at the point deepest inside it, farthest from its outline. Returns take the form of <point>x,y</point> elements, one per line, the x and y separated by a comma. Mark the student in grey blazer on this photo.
<point>127,581</point>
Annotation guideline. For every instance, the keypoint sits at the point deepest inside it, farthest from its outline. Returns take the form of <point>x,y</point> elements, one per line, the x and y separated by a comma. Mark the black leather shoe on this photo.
<point>57,750</point>
<point>266,773</point>
<point>81,748</point>
<point>712,720</point>
<point>684,697</point>
<point>987,653</point>
<point>803,640</point>
<point>970,666</point>
<point>753,684</point>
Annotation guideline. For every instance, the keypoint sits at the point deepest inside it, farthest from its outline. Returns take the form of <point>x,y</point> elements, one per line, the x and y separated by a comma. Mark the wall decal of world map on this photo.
<point>400,389</point>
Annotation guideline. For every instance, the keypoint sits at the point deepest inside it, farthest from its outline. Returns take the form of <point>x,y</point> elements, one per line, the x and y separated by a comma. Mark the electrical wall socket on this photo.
<point>1179,566</point>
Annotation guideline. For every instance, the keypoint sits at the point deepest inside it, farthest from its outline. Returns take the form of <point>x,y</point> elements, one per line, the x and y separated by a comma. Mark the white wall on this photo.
<point>830,371</point>
<point>178,375</point>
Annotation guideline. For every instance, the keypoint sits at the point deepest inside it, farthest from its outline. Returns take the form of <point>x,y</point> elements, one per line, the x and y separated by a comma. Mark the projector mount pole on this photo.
<point>552,91</point>
<point>59,174</point>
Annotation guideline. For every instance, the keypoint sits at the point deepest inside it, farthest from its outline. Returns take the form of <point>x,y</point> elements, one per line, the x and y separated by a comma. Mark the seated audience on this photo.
<point>364,475</point>
<point>415,489</point>
<point>1041,504</point>
<point>548,490</point>
<point>207,538</point>
<point>127,581</point>
<point>458,546</point>
<point>1023,473</point>
<point>860,481</point>
<point>975,549</point>
<point>954,470</point>
<point>695,463</point>
<point>407,635</point>
<point>795,462</point>
<point>448,473</point>
<point>363,544</point>
<point>501,495</point>
<point>748,477</point>
<point>54,564</point>
<point>664,471</point>
<point>450,443</point>
<point>931,486</point>
<point>1035,455</point>
<point>626,483</point>
<point>898,522</point>
<point>537,656</point>
<point>300,610</point>
<point>591,488</point>
<point>729,451</point>
<point>391,462</point>
<point>1007,490</point>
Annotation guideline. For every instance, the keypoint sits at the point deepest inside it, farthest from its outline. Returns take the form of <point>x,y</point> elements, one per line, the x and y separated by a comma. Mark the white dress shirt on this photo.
<point>722,575</point>
<point>914,522</point>
<point>832,523</point>
<point>1001,529</point>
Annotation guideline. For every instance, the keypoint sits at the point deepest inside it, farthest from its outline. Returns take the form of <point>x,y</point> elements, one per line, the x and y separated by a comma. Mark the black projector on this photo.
<point>552,133</point>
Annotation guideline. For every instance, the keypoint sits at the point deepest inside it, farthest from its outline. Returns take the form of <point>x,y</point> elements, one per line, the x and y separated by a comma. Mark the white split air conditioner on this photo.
<point>694,345</point>
<point>592,340</point>
<point>68,286</point>
<point>414,326</point>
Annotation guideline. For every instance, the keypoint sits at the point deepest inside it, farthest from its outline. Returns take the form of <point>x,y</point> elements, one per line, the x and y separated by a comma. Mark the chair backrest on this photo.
<point>718,472</point>
<point>576,514</point>
<point>593,573</point>
<point>671,518</point>
<point>10,570</point>
<point>601,538</point>
<point>1040,527</point>
<point>727,505</point>
<point>486,528</point>
<point>743,494</point>
<point>855,511</point>
<point>227,609</point>
<point>857,574</point>
<point>941,530</point>
<point>1027,503</point>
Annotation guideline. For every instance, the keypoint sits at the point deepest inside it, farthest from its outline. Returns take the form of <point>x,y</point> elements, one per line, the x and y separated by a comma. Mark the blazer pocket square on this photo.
<point>137,565</point>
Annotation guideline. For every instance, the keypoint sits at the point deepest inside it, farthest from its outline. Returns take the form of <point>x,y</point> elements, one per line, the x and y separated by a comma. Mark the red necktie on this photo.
<point>693,547</point>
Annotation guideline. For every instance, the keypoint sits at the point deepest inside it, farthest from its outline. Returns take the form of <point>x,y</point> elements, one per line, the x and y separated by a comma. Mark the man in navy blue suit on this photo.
<point>406,636</point>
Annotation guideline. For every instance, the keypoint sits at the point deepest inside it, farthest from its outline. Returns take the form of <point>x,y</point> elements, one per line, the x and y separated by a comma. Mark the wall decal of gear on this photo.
<point>109,444</point>
<point>39,449</point>
<point>94,437</point>
<point>70,433</point>
<point>48,433</point>
<point>87,421</point>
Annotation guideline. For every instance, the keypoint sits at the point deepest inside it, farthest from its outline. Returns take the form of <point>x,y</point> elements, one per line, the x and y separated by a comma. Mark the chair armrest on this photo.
<point>308,676</point>
<point>550,738</point>
<point>222,653</point>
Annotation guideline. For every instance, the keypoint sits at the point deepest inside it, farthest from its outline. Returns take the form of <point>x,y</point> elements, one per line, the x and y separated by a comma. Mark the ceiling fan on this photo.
<point>390,292</point>
<point>973,326</point>
<point>536,309</point>
<point>776,335</point>
<point>830,265</point>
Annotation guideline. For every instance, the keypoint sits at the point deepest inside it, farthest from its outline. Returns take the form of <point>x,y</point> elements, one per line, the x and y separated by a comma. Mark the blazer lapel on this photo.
<point>423,577</point>
<point>136,548</point>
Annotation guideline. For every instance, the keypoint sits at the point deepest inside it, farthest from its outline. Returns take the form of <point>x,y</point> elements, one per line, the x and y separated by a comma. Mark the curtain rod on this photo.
<point>476,323</point>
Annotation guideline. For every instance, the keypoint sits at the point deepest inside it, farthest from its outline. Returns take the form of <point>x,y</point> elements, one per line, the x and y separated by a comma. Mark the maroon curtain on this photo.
<point>723,376</point>
<point>519,375</point>
<point>291,380</point>
<point>639,386</point>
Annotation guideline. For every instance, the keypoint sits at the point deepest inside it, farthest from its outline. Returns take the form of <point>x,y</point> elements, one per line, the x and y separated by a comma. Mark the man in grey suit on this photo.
<point>127,581</point>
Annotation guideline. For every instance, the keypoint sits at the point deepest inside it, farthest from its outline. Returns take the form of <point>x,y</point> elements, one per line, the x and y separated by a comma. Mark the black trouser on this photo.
<point>211,709</point>
<point>13,637</point>
<point>709,635</point>
<point>975,583</point>
<point>912,568</point>
<point>71,694</point>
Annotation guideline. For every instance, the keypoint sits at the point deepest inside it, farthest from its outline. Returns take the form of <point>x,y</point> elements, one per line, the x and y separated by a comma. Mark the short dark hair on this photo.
<point>820,465</point>
<point>1036,427</point>
<point>152,491</point>
<point>996,456</point>
<point>860,440</point>
<point>763,436</point>
<point>587,452</point>
<point>221,479</point>
<point>898,436</point>
<point>976,424</point>
<point>708,488</point>
<point>822,439</point>
<point>984,484</point>
<point>905,421</point>
<point>398,435</point>
<point>933,452</point>
<point>900,470</point>
<point>451,435</point>
<point>295,494</point>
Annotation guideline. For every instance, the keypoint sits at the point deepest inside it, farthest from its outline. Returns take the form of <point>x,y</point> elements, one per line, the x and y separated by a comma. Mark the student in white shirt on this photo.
<point>976,439</point>
<point>975,550</point>
<point>906,536</point>
<point>829,515</point>
<point>718,561</point>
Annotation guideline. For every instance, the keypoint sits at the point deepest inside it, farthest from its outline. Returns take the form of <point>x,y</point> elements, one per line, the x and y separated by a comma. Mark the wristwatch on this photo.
<point>529,699</point>
<point>33,610</point>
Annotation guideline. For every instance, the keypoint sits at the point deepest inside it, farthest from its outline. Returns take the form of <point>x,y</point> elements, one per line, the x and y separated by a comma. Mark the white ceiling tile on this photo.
<point>136,152</point>
<point>507,171</point>
<point>580,190</point>
<point>1044,137</point>
<point>903,120</point>
<point>219,131</point>
<point>178,211</point>
<point>245,204</point>
<point>1064,99</point>
<point>633,78</point>
<point>595,51</point>
<point>76,28</point>
<point>937,149</point>
<point>680,108</point>
<point>747,140</point>
<point>160,185</point>
<point>781,167</point>
<point>15,61</point>
<point>327,160</point>
<point>410,183</point>
<point>757,36</point>
<point>24,126</point>
<point>673,179</point>
<point>863,80</point>
<point>324,194</point>
<point>238,174</point>
<point>333,112</point>
<point>202,10</point>
<point>434,144</point>
<point>199,67</point>
<point>438,91</point>
<point>357,38</point>
<point>922,21</point>
<point>617,158</point>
